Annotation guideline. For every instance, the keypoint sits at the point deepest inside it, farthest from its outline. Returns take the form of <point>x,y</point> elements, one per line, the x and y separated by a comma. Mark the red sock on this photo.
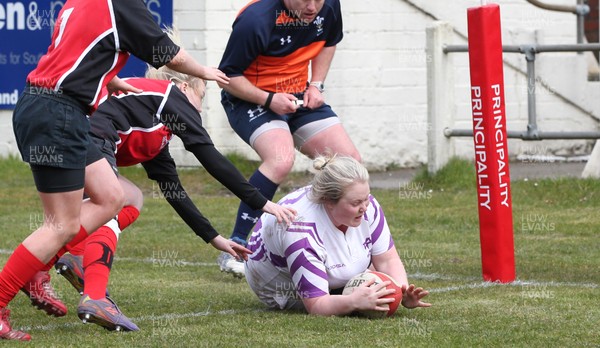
<point>127,216</point>
<point>79,237</point>
<point>79,248</point>
<point>97,261</point>
<point>21,266</point>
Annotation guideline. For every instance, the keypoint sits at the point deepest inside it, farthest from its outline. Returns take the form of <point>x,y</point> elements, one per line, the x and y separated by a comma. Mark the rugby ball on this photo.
<point>380,277</point>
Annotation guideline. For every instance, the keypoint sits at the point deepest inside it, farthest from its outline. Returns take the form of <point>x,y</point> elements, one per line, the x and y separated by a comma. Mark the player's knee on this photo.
<point>114,199</point>
<point>69,229</point>
<point>135,198</point>
<point>281,167</point>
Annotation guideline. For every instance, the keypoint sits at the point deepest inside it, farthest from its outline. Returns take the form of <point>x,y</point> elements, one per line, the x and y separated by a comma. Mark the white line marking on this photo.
<point>514,284</point>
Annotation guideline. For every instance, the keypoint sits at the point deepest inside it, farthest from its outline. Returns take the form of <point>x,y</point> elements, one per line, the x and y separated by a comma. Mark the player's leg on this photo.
<point>97,259</point>
<point>70,265</point>
<point>269,135</point>
<point>320,131</point>
<point>276,149</point>
<point>334,140</point>
<point>61,224</point>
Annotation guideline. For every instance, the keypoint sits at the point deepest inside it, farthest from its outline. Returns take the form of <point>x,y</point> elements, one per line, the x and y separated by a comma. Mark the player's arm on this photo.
<point>320,65</point>
<point>390,264</point>
<point>140,35</point>
<point>248,40</point>
<point>162,170</point>
<point>185,63</point>
<point>364,297</point>
<point>281,103</point>
<point>117,86</point>
<point>229,176</point>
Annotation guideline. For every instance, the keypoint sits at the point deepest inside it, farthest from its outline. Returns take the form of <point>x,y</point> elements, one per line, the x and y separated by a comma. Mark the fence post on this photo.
<point>440,95</point>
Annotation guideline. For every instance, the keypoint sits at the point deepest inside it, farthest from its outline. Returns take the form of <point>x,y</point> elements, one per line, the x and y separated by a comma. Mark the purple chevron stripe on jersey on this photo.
<point>254,242</point>
<point>278,261</point>
<point>302,244</point>
<point>260,247</point>
<point>302,261</point>
<point>306,227</point>
<point>294,200</point>
<point>307,290</point>
<point>377,232</point>
<point>372,200</point>
<point>391,245</point>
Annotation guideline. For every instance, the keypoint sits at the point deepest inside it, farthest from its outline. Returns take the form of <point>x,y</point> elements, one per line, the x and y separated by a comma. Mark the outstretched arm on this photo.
<point>162,169</point>
<point>185,63</point>
<point>227,174</point>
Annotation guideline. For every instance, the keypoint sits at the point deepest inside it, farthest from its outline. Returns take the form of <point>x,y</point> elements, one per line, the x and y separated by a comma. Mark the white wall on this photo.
<point>377,83</point>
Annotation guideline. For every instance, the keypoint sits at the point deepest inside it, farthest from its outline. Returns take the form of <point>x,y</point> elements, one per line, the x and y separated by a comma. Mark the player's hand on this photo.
<point>214,74</point>
<point>313,99</point>
<point>230,247</point>
<point>411,296</point>
<point>283,214</point>
<point>118,86</point>
<point>370,297</point>
<point>283,103</point>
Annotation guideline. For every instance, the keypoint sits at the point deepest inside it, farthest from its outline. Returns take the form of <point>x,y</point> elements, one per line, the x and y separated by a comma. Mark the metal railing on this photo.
<point>532,132</point>
<point>580,10</point>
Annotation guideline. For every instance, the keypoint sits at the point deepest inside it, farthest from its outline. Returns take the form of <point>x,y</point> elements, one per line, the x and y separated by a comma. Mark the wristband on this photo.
<point>269,99</point>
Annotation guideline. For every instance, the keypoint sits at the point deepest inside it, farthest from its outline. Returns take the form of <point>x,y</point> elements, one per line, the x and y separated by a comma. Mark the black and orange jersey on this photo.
<point>142,124</point>
<point>91,42</point>
<point>272,47</point>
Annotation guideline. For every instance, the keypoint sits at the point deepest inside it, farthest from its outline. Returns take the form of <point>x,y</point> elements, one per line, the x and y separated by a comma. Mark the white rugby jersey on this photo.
<point>317,256</point>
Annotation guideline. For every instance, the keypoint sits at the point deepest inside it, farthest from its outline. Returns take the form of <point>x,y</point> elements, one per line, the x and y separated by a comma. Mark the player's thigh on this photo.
<point>275,145</point>
<point>102,185</point>
<point>332,139</point>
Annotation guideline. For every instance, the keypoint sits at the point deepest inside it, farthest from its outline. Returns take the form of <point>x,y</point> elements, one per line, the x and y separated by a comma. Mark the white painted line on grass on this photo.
<point>514,284</point>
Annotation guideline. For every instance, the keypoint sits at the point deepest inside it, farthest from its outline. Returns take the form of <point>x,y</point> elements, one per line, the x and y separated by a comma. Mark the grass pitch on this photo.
<point>166,280</point>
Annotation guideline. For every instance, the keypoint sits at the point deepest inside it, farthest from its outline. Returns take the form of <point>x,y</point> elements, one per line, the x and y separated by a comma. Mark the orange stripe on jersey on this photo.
<point>286,74</point>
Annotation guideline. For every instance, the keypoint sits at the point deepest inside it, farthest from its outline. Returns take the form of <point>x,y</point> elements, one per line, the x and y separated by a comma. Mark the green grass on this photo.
<point>182,299</point>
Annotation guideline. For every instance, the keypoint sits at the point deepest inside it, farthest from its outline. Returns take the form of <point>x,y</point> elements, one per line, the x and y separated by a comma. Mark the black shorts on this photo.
<point>51,130</point>
<point>247,119</point>
<point>106,149</point>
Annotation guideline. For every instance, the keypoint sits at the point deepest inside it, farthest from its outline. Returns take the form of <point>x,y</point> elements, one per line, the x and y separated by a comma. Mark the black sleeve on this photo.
<point>227,174</point>
<point>139,34</point>
<point>162,170</point>
<point>180,116</point>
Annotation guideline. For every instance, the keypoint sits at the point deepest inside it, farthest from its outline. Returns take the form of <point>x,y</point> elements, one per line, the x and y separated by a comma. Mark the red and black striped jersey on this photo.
<point>91,42</point>
<point>142,124</point>
<point>272,47</point>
